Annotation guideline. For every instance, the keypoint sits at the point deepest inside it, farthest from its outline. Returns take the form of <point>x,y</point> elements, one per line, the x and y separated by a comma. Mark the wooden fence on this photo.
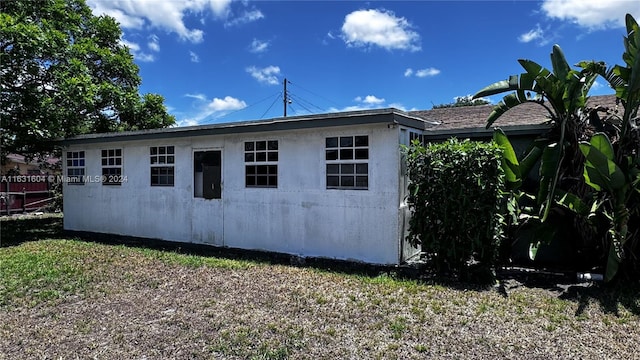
<point>24,194</point>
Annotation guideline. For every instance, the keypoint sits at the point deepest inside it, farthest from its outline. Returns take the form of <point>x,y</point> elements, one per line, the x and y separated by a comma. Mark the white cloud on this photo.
<point>535,34</point>
<point>213,109</point>
<point>143,57</point>
<point>220,7</point>
<point>427,72</point>
<point>267,75</point>
<point>154,43</point>
<point>258,46</point>
<point>592,14</point>
<point>422,72</point>
<point>194,57</point>
<point>399,106</point>
<point>364,28</point>
<point>370,100</point>
<point>166,15</point>
<point>131,45</point>
<point>226,104</point>
<point>134,49</point>
<point>200,97</point>
<point>245,18</point>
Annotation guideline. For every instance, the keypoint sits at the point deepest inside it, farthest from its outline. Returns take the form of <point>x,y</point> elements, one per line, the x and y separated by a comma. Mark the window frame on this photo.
<point>347,162</point>
<point>80,168</point>
<point>162,159</point>
<point>261,163</point>
<point>112,173</point>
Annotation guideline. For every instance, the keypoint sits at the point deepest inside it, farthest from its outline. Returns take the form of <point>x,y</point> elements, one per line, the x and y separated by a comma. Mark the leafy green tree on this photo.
<point>65,72</point>
<point>466,100</point>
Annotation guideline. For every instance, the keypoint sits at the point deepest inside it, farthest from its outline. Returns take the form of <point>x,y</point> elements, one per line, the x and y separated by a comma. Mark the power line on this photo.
<point>270,106</point>
<point>301,101</point>
<point>313,93</point>
<point>254,104</point>
<point>310,103</point>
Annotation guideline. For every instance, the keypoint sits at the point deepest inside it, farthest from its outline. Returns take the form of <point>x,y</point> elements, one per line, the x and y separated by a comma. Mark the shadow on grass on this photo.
<point>610,297</point>
<point>17,229</point>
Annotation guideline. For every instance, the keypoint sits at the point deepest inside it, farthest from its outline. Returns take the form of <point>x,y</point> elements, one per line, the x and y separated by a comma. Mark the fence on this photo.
<point>27,194</point>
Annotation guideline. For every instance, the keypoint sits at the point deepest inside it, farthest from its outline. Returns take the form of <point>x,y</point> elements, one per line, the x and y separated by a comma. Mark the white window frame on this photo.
<point>162,159</point>
<point>112,169</point>
<point>76,162</point>
<point>261,163</point>
<point>347,162</point>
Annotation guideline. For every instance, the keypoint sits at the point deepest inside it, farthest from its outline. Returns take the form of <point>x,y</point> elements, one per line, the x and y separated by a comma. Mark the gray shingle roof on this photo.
<point>475,117</point>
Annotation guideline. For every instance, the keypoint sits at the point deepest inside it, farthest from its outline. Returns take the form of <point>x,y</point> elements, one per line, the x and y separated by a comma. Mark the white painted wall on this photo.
<point>300,217</point>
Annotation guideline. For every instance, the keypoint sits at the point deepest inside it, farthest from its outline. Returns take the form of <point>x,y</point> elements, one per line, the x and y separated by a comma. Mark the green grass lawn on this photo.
<point>69,298</point>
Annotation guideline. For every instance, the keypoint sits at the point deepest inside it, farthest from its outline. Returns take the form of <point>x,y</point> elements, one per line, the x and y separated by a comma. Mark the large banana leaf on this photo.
<point>512,100</point>
<point>510,165</point>
<point>549,167</point>
<point>533,154</point>
<point>600,170</point>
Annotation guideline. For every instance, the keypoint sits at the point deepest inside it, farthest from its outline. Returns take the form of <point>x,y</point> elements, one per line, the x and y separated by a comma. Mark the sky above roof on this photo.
<point>226,60</point>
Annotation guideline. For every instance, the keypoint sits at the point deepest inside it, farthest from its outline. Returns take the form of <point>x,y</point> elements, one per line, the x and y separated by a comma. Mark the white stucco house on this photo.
<point>330,185</point>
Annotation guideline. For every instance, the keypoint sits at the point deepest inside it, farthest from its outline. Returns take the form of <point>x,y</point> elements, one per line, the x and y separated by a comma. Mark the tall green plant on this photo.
<point>612,156</point>
<point>562,91</point>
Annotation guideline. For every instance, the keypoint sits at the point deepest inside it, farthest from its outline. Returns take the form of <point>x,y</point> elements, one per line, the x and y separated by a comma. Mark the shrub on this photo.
<point>455,199</point>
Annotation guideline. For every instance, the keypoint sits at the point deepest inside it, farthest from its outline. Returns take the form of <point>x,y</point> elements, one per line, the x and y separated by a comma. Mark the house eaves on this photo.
<point>391,116</point>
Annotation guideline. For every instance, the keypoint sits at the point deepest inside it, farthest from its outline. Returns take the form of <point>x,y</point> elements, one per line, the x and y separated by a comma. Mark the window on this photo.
<point>347,162</point>
<point>162,159</point>
<point>416,136</point>
<point>112,167</point>
<point>261,163</point>
<point>75,167</point>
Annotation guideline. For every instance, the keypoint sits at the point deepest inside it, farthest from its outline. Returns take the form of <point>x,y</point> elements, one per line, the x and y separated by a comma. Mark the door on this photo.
<point>208,214</point>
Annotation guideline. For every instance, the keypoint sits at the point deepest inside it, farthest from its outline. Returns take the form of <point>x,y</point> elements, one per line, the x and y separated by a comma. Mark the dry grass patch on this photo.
<point>121,302</point>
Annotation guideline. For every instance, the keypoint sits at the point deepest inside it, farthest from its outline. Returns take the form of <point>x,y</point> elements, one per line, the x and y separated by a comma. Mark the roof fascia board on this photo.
<point>294,123</point>
<point>516,130</point>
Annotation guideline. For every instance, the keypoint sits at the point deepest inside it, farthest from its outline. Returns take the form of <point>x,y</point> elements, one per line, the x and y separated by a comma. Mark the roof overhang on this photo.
<point>390,116</point>
<point>482,132</point>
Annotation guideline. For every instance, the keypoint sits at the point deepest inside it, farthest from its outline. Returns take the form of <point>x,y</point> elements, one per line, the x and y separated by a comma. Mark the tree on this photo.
<point>65,72</point>
<point>466,100</point>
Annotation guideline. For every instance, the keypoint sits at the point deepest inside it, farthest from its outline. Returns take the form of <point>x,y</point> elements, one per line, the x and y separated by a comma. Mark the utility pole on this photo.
<point>285,97</point>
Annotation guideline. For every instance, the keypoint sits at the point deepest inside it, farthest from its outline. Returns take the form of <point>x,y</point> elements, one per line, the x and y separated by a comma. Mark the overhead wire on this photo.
<point>303,101</point>
<point>270,106</point>
<point>299,101</point>
<point>254,104</point>
<point>313,93</point>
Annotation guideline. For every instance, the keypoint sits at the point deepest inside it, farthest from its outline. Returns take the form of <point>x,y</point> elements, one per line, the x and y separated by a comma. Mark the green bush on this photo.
<point>455,200</point>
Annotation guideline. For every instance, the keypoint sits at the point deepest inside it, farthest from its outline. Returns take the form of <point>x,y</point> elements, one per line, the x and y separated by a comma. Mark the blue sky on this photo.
<point>225,60</point>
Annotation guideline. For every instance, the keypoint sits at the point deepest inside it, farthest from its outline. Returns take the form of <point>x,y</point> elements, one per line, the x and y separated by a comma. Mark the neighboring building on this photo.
<point>330,185</point>
<point>15,164</point>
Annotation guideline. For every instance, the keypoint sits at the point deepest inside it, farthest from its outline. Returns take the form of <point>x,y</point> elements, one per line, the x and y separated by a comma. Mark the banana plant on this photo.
<point>603,174</point>
<point>613,167</point>
<point>563,93</point>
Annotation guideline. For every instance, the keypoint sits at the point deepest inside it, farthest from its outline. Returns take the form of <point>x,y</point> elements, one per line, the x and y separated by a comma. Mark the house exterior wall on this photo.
<point>301,216</point>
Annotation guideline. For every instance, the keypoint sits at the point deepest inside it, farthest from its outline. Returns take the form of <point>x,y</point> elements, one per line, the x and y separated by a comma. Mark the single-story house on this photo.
<point>329,185</point>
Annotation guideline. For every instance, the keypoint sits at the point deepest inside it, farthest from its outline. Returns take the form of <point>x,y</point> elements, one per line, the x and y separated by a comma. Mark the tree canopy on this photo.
<point>65,72</point>
<point>466,100</point>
